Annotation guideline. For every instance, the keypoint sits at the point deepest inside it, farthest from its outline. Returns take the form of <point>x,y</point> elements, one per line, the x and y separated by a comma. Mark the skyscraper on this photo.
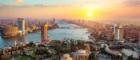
<point>21,25</point>
<point>44,33</point>
<point>118,32</point>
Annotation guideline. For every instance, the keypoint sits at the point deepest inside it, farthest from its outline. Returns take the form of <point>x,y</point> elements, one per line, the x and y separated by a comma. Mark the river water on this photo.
<point>65,31</point>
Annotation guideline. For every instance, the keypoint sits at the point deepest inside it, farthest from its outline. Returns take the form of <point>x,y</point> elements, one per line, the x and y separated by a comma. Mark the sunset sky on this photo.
<point>72,9</point>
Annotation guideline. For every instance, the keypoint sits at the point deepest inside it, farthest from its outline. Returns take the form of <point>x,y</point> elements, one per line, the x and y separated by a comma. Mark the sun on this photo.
<point>89,13</point>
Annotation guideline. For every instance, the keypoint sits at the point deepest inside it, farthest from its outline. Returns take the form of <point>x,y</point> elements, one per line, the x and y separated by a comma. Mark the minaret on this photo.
<point>44,33</point>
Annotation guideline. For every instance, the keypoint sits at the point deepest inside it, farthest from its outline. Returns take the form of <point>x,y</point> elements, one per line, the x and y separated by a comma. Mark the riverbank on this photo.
<point>54,34</point>
<point>68,41</point>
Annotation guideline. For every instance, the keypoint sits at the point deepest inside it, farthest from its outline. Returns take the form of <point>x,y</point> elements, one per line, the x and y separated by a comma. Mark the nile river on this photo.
<point>65,31</point>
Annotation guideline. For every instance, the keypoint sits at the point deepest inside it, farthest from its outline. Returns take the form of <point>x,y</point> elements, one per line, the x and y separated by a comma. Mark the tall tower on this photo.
<point>21,25</point>
<point>118,32</point>
<point>53,20</point>
<point>44,33</point>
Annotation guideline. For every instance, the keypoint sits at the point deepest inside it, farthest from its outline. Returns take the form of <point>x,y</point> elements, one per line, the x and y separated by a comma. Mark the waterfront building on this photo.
<point>10,31</point>
<point>33,27</point>
<point>44,33</point>
<point>21,25</point>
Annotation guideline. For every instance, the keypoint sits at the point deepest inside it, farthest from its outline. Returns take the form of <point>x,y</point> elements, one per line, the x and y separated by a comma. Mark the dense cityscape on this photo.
<point>69,29</point>
<point>107,41</point>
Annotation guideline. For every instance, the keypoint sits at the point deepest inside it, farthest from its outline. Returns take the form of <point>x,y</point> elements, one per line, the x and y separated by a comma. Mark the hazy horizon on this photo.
<point>96,10</point>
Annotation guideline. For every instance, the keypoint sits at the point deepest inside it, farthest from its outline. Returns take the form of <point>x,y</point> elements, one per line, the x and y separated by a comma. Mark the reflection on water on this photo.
<point>72,32</point>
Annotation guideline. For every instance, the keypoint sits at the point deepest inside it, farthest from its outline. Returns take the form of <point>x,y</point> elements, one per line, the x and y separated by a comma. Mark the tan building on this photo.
<point>10,31</point>
<point>44,33</point>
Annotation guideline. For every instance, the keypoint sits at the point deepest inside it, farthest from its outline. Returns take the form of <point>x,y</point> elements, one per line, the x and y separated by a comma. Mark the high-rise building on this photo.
<point>21,25</point>
<point>53,20</point>
<point>118,32</point>
<point>44,33</point>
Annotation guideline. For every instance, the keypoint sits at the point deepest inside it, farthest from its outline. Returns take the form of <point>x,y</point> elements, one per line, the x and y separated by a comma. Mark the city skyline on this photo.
<point>116,10</point>
<point>70,30</point>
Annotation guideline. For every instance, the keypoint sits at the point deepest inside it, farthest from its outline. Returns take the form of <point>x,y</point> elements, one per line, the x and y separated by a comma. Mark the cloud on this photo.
<point>132,2</point>
<point>19,1</point>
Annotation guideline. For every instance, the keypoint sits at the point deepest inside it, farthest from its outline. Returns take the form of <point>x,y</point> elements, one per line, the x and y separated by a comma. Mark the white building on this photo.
<point>118,32</point>
<point>21,25</point>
